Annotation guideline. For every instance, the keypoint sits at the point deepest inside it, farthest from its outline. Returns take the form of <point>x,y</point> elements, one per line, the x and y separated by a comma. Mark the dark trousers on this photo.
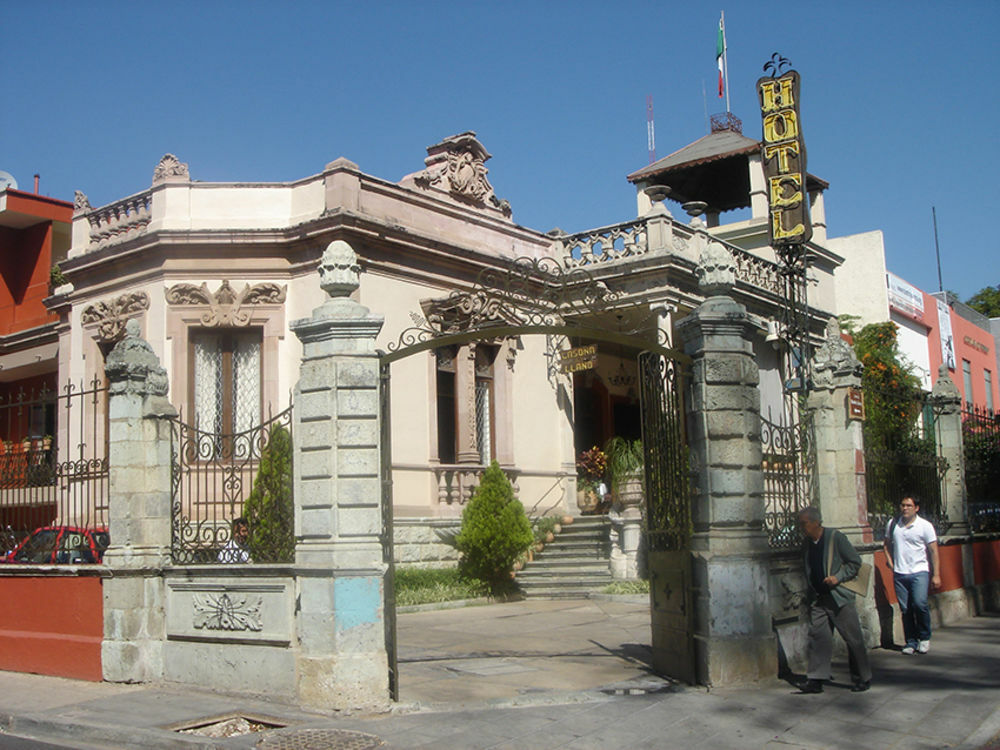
<point>824,616</point>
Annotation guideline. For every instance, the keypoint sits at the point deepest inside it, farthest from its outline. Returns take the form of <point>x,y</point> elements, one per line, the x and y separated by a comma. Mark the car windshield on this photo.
<point>39,547</point>
<point>74,547</point>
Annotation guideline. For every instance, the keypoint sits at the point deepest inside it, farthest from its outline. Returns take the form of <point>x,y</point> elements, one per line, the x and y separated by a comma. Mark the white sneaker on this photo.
<point>909,650</point>
<point>923,647</point>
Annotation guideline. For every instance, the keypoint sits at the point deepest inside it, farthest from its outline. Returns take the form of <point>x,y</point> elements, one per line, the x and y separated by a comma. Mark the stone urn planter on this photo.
<point>587,500</point>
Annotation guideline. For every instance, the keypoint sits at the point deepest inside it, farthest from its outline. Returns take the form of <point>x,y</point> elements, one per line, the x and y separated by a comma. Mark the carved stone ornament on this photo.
<point>339,271</point>
<point>227,308</point>
<point>945,393</point>
<point>111,315</point>
<point>716,270</point>
<point>834,356</point>
<point>171,169</point>
<point>224,612</point>
<point>133,367</point>
<point>81,203</point>
<point>458,165</point>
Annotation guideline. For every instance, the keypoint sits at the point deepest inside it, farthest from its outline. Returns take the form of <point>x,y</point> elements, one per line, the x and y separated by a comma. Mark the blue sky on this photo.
<point>899,101</point>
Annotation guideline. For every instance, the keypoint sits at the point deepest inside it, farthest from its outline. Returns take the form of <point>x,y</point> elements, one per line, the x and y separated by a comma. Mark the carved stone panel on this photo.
<point>226,307</point>
<point>224,607</point>
<point>111,315</point>
<point>457,165</point>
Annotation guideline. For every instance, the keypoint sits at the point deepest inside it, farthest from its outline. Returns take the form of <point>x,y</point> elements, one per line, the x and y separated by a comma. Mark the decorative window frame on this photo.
<point>196,308</point>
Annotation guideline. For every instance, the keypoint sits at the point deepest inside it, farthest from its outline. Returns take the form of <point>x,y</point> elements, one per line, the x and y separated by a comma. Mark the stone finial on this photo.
<point>834,356</point>
<point>171,169</point>
<point>716,270</point>
<point>339,272</point>
<point>81,203</point>
<point>132,366</point>
<point>945,392</point>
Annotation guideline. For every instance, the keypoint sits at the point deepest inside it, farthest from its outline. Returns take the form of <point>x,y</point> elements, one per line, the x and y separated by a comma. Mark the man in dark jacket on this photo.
<point>830,559</point>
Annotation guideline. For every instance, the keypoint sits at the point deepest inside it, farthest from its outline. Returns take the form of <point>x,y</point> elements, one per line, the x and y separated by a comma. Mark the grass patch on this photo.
<point>632,586</point>
<point>427,586</point>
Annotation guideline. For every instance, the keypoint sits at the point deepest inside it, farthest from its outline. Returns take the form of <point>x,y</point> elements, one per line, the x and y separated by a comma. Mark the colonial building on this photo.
<point>215,272</point>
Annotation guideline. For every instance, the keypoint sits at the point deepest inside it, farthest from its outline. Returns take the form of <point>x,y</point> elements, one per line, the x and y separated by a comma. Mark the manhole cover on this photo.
<point>319,739</point>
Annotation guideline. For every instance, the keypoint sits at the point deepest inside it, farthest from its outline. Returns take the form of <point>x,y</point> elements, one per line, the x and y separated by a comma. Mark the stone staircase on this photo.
<point>573,566</point>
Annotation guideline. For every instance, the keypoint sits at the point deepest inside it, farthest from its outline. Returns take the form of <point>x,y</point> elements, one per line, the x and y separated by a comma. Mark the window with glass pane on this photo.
<point>226,393</point>
<point>967,380</point>
<point>988,380</point>
<point>485,355</point>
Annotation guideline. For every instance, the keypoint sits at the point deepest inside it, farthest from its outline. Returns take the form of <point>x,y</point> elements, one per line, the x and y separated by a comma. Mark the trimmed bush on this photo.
<point>268,509</point>
<point>495,531</point>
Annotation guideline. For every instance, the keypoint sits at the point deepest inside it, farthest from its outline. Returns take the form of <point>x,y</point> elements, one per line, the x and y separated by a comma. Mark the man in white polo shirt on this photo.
<point>908,540</point>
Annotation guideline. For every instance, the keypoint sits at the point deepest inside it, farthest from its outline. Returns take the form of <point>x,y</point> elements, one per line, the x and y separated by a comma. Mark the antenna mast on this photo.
<point>650,130</point>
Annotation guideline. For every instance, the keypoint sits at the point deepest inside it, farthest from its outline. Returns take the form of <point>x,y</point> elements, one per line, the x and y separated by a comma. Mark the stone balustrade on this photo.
<point>632,239</point>
<point>120,220</point>
<point>457,482</point>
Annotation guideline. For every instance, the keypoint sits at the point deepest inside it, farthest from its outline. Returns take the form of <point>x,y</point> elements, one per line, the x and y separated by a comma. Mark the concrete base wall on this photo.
<point>422,542</point>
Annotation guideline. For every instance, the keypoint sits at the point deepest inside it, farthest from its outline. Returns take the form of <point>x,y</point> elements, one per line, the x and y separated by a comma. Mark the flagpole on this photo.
<point>725,59</point>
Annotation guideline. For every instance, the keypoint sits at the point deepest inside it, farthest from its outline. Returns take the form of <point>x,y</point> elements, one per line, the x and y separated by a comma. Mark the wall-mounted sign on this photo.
<point>576,360</point>
<point>905,298</point>
<point>783,154</point>
<point>969,341</point>
<point>855,404</point>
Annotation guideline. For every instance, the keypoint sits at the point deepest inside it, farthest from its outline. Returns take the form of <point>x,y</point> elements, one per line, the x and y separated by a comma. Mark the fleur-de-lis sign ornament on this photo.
<point>777,65</point>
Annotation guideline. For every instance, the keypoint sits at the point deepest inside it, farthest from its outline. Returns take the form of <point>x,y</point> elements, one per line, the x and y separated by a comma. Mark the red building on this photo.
<point>34,234</point>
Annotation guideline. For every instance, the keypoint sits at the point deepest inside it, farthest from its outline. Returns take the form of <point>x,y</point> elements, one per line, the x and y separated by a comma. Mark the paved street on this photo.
<point>470,682</point>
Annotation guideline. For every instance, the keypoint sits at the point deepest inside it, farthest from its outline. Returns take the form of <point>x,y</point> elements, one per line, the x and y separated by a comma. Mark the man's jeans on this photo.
<point>911,591</point>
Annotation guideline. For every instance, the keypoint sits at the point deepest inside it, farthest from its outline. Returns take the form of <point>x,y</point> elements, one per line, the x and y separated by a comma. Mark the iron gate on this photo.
<point>389,581</point>
<point>668,516</point>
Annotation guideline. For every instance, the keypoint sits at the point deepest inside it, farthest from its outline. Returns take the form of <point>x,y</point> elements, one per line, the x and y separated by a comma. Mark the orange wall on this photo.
<point>52,625</point>
<point>978,359</point>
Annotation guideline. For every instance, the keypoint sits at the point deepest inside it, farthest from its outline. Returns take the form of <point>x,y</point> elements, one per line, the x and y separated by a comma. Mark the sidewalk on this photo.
<point>947,698</point>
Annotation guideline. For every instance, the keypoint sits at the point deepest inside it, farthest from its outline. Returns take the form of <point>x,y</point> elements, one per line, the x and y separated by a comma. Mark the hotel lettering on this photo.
<point>783,154</point>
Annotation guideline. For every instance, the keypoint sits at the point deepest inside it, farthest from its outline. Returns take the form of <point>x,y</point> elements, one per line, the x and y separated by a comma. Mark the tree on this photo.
<point>269,509</point>
<point>495,531</point>
<point>986,301</point>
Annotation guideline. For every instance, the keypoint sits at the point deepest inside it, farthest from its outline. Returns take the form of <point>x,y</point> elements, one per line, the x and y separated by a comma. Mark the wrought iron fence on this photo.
<point>904,462</point>
<point>53,460</point>
<point>787,467</point>
<point>981,439</point>
<point>232,494</point>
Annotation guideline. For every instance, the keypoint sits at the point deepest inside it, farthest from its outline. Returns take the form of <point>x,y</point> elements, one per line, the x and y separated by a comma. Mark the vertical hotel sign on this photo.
<point>783,154</point>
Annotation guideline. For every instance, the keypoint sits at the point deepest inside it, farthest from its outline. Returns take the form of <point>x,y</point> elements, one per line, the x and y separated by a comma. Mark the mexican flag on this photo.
<point>720,54</point>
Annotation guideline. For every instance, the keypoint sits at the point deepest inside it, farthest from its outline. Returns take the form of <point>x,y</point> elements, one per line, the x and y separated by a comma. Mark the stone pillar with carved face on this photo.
<point>734,642</point>
<point>138,510</point>
<point>341,660</point>
<point>947,402</point>
<point>837,433</point>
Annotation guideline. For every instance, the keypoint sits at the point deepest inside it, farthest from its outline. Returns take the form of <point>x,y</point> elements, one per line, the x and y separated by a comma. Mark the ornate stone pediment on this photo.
<point>81,203</point>
<point>111,315</point>
<point>171,169</point>
<point>227,308</point>
<point>457,165</point>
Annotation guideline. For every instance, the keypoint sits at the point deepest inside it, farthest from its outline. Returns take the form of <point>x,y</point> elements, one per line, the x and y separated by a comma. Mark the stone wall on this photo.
<point>421,542</point>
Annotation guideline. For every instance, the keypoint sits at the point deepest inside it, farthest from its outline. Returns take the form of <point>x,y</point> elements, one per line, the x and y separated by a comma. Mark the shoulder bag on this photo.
<point>858,584</point>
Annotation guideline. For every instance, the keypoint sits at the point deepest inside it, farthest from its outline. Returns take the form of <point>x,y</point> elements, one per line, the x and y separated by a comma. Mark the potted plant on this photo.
<point>590,468</point>
<point>624,467</point>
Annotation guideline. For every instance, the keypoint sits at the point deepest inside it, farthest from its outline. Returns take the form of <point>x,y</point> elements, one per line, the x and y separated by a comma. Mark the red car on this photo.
<point>60,544</point>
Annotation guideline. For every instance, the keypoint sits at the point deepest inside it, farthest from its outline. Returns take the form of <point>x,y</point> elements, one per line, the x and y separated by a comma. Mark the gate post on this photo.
<point>947,402</point>
<point>341,659</point>
<point>839,443</point>
<point>734,641</point>
<point>138,511</point>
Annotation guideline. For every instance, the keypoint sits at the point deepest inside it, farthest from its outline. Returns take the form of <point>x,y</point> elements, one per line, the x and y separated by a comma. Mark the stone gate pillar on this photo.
<point>341,659</point>
<point>734,642</point>
<point>947,402</point>
<point>138,511</point>
<point>839,444</point>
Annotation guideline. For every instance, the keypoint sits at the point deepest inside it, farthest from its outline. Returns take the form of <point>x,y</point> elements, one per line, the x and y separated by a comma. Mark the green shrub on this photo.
<point>268,509</point>
<point>495,530</point>
<point>427,586</point>
<point>631,586</point>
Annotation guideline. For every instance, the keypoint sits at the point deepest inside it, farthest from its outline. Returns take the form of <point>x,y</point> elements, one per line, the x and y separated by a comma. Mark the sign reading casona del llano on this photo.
<point>783,153</point>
